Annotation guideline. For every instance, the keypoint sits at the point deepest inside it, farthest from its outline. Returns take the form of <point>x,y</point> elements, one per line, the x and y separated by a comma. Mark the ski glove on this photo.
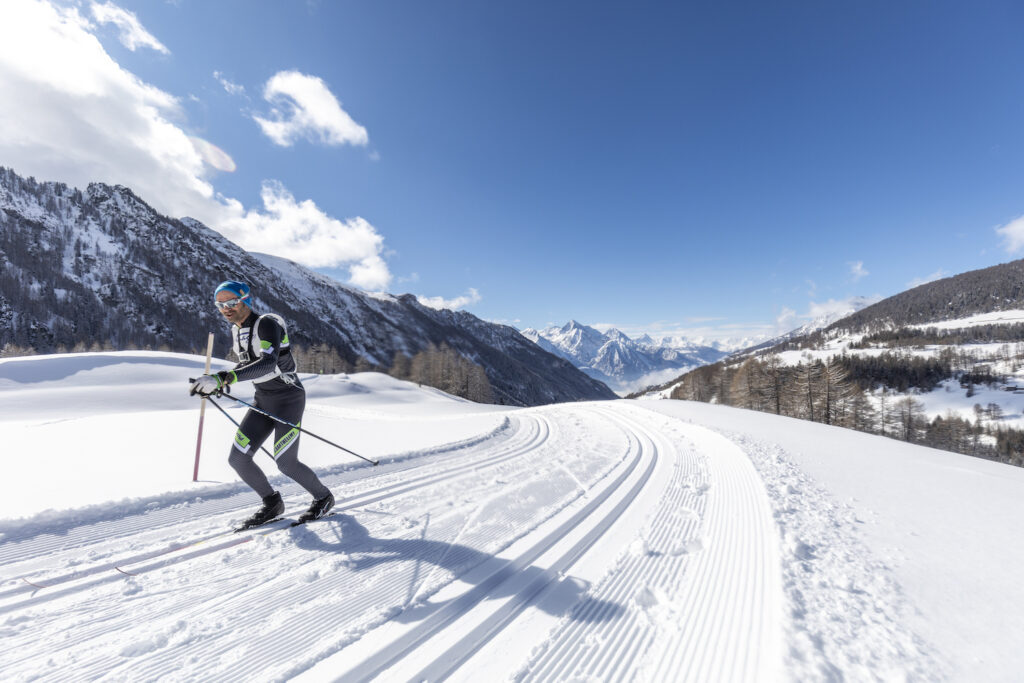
<point>209,384</point>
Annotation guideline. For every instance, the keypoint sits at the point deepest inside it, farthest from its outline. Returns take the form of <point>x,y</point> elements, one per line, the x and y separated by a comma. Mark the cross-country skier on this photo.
<point>261,344</point>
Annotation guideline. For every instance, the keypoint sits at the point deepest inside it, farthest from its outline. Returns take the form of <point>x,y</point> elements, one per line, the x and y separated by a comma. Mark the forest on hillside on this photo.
<point>996,288</point>
<point>863,393</point>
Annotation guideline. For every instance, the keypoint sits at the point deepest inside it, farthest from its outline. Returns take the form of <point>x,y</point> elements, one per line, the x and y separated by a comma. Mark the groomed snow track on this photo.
<point>580,542</point>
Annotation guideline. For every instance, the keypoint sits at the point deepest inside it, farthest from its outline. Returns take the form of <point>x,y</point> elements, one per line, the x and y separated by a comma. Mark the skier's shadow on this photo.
<point>465,563</point>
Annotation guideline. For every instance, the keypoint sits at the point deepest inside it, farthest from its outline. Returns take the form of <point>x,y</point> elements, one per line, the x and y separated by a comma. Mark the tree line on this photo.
<point>835,392</point>
<point>911,336</point>
<point>444,368</point>
<point>441,367</point>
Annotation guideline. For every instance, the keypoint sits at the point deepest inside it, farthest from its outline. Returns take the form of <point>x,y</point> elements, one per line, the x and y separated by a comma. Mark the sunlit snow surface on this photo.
<point>653,540</point>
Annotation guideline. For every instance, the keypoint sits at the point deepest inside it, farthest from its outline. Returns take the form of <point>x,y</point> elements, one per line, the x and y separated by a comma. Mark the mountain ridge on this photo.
<point>617,360</point>
<point>102,266</point>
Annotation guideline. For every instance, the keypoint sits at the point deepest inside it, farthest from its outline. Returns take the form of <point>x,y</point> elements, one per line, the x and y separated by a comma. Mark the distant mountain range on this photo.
<point>101,267</point>
<point>623,363</point>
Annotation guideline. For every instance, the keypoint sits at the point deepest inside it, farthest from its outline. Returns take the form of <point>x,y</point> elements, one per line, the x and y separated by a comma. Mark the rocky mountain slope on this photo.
<point>100,267</point>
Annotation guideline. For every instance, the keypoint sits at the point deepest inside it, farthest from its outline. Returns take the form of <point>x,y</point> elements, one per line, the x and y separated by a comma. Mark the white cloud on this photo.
<point>305,108</point>
<point>306,234</point>
<point>470,297</point>
<point>787,320</point>
<point>857,270</point>
<point>69,112</point>
<point>131,33</point>
<point>918,281</point>
<point>1013,235</point>
<point>231,87</point>
<point>832,307</point>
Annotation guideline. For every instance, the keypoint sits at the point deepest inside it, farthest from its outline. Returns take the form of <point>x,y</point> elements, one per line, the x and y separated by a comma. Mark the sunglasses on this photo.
<point>230,303</point>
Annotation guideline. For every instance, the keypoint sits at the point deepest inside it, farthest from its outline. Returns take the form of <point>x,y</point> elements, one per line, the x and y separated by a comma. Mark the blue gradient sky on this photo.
<point>658,166</point>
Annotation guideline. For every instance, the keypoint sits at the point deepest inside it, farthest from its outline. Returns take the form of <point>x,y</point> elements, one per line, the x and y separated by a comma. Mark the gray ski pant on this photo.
<point>255,428</point>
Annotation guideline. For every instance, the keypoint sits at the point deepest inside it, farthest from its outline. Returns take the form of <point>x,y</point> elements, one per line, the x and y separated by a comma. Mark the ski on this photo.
<point>301,521</point>
<point>257,526</point>
<point>161,555</point>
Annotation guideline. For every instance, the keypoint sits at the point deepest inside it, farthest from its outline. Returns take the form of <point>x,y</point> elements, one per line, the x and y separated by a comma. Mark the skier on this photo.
<point>261,344</point>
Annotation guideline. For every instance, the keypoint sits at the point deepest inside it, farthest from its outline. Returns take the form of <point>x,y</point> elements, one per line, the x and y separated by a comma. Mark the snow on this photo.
<point>83,404</point>
<point>1014,317</point>
<point>937,531</point>
<point>950,397</point>
<point>630,540</point>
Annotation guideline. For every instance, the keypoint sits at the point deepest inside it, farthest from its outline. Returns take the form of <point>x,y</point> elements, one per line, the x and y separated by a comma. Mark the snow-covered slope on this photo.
<point>622,363</point>
<point>658,540</point>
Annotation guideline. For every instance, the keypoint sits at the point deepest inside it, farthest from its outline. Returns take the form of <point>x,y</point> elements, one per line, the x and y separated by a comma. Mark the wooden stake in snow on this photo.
<point>202,408</point>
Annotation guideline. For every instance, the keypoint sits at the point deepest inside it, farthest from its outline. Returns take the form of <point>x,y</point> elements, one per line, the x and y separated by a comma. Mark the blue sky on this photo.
<point>712,169</point>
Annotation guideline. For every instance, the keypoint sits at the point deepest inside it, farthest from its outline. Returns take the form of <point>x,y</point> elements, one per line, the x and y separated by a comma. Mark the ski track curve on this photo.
<point>180,527</point>
<point>700,583</point>
<point>517,576</point>
<point>430,564</point>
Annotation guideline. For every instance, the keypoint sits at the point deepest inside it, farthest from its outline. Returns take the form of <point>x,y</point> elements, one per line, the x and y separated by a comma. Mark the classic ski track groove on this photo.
<point>36,580</point>
<point>532,439</point>
<point>13,551</point>
<point>268,598</point>
<point>567,654</point>
<point>725,598</point>
<point>298,635</point>
<point>721,606</point>
<point>456,654</point>
<point>537,434</point>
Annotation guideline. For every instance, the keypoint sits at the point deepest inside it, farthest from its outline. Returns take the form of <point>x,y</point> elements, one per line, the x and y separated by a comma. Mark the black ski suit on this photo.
<point>264,354</point>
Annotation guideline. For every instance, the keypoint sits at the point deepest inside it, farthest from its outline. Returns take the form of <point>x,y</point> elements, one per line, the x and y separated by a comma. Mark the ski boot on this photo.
<point>319,508</point>
<point>272,508</point>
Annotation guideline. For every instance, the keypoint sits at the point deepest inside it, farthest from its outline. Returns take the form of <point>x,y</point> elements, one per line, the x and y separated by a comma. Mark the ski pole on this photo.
<point>218,407</point>
<point>294,426</point>
<point>202,409</point>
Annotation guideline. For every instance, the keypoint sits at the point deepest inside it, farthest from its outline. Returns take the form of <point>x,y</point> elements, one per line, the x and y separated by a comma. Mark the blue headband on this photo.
<point>239,289</point>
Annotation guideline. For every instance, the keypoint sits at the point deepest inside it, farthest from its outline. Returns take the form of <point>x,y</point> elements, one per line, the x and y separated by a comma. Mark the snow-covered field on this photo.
<point>650,540</point>
<point>1014,317</point>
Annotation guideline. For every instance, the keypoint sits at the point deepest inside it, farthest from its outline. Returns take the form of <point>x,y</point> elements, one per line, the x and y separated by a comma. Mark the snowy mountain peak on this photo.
<point>617,335</point>
<point>646,340</point>
<point>614,358</point>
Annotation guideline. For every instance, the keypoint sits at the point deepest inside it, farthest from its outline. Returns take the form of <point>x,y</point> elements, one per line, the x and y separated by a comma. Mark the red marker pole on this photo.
<point>202,408</point>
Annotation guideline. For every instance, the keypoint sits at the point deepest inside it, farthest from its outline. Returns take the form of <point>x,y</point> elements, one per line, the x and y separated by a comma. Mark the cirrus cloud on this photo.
<point>131,32</point>
<point>229,86</point>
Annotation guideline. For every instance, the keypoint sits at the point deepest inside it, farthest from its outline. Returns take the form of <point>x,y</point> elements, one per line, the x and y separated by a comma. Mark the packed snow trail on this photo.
<point>703,579</point>
<point>581,540</point>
